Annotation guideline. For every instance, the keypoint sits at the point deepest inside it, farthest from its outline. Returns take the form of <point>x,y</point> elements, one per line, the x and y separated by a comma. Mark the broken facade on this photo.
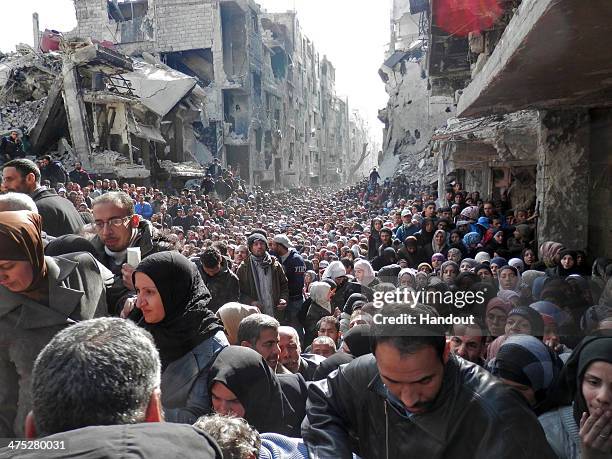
<point>536,80</point>
<point>261,98</point>
<point>412,113</point>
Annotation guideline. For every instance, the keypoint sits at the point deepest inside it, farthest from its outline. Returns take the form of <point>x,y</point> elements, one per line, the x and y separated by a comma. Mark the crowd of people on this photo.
<point>377,320</point>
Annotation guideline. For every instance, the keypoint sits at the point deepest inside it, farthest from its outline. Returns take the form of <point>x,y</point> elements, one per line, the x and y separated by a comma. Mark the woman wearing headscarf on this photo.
<point>528,365</point>
<point>231,314</point>
<point>528,278</point>
<point>578,429</point>
<point>365,274</point>
<point>496,314</point>
<point>566,264</point>
<point>509,278</point>
<point>171,305</point>
<point>39,296</point>
<point>471,240</point>
<point>496,263</point>
<point>436,262</point>
<point>439,243</point>
<point>406,279</point>
<point>454,254</point>
<point>517,263</point>
<point>426,233</point>
<point>243,385</point>
<point>520,321</point>
<point>374,240</point>
<point>467,264</point>
<point>320,306</point>
<point>449,272</point>
<point>549,253</point>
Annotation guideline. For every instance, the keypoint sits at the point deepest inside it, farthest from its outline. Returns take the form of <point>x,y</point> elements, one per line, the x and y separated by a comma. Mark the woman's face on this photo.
<point>225,402</point>
<point>499,237</point>
<point>359,273</point>
<point>148,300</point>
<point>494,269</point>
<point>464,267</point>
<point>449,274</point>
<point>454,256</point>
<point>16,276</point>
<point>455,237</point>
<point>517,325</point>
<point>429,226</point>
<point>406,281</point>
<point>484,274</point>
<point>425,269</point>
<point>496,321</point>
<point>528,257</point>
<point>597,386</point>
<point>436,263</point>
<point>439,237</point>
<point>567,262</point>
<point>507,279</point>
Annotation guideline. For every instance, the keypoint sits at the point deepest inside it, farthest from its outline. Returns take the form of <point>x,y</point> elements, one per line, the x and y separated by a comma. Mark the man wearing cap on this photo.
<point>407,228</point>
<point>295,268</point>
<point>263,282</point>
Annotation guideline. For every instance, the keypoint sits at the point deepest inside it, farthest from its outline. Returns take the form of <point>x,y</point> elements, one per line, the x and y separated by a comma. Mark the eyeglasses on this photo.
<point>113,222</point>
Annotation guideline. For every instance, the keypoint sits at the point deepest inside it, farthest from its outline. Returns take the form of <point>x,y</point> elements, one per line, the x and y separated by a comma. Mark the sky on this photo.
<point>352,33</point>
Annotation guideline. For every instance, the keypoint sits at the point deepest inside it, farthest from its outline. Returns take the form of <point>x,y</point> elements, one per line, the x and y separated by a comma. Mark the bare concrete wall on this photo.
<point>562,185</point>
<point>600,196</point>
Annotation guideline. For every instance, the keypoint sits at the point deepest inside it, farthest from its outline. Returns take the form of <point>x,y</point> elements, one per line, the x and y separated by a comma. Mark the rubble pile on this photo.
<point>20,115</point>
<point>27,75</point>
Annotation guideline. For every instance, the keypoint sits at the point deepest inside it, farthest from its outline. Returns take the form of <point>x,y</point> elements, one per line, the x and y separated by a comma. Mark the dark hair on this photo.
<point>250,327</point>
<point>221,246</point>
<point>429,203</point>
<point>210,258</point>
<point>408,339</point>
<point>24,167</point>
<point>117,198</point>
<point>329,319</point>
<point>97,372</point>
<point>347,262</point>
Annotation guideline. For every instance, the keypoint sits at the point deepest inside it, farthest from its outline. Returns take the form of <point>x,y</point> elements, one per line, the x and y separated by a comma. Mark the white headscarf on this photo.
<point>319,293</point>
<point>368,271</point>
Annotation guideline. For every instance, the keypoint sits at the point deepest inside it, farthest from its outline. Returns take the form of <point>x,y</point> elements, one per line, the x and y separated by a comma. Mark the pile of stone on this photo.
<point>21,116</point>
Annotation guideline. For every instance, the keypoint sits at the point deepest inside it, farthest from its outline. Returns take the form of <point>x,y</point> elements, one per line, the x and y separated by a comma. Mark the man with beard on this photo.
<point>59,217</point>
<point>420,400</point>
<point>263,282</point>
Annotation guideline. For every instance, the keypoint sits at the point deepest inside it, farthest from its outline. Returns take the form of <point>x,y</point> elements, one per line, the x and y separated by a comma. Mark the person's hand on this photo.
<point>596,433</point>
<point>337,312</point>
<point>282,304</point>
<point>126,273</point>
<point>128,307</point>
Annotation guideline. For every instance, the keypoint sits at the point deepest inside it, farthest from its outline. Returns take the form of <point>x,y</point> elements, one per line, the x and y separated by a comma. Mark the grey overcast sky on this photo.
<point>352,33</point>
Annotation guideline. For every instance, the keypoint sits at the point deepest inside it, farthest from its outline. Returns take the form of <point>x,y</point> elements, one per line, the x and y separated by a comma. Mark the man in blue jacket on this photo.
<point>295,268</point>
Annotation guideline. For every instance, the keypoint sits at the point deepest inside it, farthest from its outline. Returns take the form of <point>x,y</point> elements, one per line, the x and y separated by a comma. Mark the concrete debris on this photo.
<point>22,115</point>
<point>187,169</point>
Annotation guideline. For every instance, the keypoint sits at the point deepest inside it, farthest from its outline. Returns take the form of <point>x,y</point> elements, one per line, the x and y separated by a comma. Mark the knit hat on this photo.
<point>283,240</point>
<point>533,317</point>
<point>256,237</point>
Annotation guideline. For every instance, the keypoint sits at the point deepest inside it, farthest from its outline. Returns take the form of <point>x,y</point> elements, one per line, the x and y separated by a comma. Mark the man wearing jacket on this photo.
<point>59,217</point>
<point>118,227</point>
<point>262,280</point>
<point>295,268</point>
<point>221,282</point>
<point>420,400</point>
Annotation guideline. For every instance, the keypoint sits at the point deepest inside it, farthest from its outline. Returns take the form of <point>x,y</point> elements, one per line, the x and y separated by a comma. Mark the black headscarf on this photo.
<point>358,340</point>
<point>589,350</point>
<point>188,322</point>
<point>245,372</point>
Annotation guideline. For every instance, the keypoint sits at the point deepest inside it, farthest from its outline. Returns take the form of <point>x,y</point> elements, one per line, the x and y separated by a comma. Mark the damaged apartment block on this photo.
<point>153,90</point>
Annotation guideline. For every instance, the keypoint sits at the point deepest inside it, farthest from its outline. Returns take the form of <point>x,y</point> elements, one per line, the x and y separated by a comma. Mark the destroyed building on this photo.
<point>534,116</point>
<point>152,90</point>
<point>412,113</point>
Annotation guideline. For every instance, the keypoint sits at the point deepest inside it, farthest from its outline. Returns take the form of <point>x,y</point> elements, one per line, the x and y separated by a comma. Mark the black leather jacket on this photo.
<point>474,416</point>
